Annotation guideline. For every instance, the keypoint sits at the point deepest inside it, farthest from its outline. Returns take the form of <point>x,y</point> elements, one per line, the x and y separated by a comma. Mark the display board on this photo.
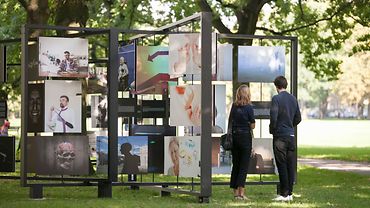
<point>36,107</point>
<point>127,107</point>
<point>63,57</point>
<point>63,106</point>
<point>219,111</point>
<point>262,159</point>
<point>225,62</point>
<point>153,108</point>
<point>260,63</point>
<point>2,64</point>
<point>132,156</point>
<point>7,154</point>
<point>99,111</point>
<point>261,109</point>
<point>58,155</point>
<point>185,108</point>
<point>182,156</point>
<point>126,68</point>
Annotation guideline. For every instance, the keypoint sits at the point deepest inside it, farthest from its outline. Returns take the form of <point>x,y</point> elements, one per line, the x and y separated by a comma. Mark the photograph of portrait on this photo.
<point>150,61</point>
<point>185,109</point>
<point>126,70</point>
<point>260,63</point>
<point>58,155</point>
<point>219,110</point>
<point>33,61</point>
<point>63,57</point>
<point>262,157</point>
<point>224,62</point>
<point>63,105</point>
<point>155,154</point>
<point>7,154</point>
<point>99,111</point>
<point>184,52</point>
<point>36,107</point>
<point>182,156</point>
<point>132,154</point>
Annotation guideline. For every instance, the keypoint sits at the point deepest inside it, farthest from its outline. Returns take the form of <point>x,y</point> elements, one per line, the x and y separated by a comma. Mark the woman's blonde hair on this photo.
<point>243,96</point>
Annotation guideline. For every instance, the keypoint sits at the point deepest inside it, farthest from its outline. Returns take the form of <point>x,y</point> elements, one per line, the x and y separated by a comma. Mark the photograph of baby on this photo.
<point>63,106</point>
<point>58,155</point>
<point>132,154</point>
<point>182,156</point>
<point>99,111</point>
<point>184,52</point>
<point>260,63</point>
<point>63,57</point>
<point>262,157</point>
<point>185,108</point>
<point>126,70</point>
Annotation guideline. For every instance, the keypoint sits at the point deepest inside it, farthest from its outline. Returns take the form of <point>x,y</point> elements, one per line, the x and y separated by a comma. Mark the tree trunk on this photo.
<point>37,13</point>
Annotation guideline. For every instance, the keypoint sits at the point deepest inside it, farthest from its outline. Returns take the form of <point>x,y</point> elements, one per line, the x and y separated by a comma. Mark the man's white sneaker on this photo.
<point>281,198</point>
<point>290,197</point>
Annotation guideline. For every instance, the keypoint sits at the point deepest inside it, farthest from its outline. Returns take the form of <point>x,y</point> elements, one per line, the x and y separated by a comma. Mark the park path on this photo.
<point>337,165</point>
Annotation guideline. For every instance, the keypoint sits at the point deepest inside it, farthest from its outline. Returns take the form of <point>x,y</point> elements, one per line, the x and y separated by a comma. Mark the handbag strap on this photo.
<point>230,125</point>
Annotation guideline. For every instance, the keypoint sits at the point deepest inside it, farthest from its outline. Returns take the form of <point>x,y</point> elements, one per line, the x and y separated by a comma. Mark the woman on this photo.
<point>242,119</point>
<point>173,148</point>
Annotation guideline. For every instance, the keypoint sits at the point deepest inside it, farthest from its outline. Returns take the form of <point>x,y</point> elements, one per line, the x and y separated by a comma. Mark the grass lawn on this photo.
<point>359,154</point>
<point>317,188</point>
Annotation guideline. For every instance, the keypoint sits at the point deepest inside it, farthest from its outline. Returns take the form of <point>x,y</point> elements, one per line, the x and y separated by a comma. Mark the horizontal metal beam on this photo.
<point>244,36</point>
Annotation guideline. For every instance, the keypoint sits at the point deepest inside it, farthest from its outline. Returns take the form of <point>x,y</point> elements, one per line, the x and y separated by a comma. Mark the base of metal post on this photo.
<point>203,199</point>
<point>104,190</point>
<point>165,193</point>
<point>36,192</point>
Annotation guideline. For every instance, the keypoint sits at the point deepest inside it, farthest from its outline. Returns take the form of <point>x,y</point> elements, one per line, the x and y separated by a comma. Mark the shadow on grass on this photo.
<point>317,188</point>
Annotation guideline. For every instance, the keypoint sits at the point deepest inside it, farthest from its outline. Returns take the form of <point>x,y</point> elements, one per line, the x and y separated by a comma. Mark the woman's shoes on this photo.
<point>243,198</point>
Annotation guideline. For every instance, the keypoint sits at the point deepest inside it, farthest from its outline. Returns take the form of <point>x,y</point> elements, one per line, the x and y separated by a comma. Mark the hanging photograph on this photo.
<point>36,107</point>
<point>63,106</point>
<point>155,154</point>
<point>99,111</point>
<point>225,62</point>
<point>262,157</point>
<point>126,70</point>
<point>63,57</point>
<point>219,110</point>
<point>185,109</point>
<point>184,52</point>
<point>7,154</point>
<point>260,63</point>
<point>151,61</point>
<point>132,154</point>
<point>182,156</point>
<point>58,155</point>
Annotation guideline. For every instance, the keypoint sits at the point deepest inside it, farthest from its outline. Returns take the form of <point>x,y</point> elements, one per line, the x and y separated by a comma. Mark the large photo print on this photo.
<point>63,57</point>
<point>63,106</point>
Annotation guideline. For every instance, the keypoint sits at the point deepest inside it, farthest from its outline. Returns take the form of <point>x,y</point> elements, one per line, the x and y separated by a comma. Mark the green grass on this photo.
<point>317,188</point>
<point>358,154</point>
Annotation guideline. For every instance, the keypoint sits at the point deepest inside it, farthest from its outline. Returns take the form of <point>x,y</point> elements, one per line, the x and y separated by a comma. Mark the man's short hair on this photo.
<point>281,82</point>
<point>65,96</point>
<point>67,52</point>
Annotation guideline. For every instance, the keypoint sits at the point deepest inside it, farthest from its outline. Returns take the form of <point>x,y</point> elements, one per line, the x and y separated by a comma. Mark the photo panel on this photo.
<point>260,63</point>
<point>185,108</point>
<point>36,107</point>
<point>225,62</point>
<point>219,111</point>
<point>58,155</point>
<point>155,154</point>
<point>182,156</point>
<point>63,105</point>
<point>262,159</point>
<point>7,154</point>
<point>99,111</point>
<point>184,52</point>
<point>132,154</point>
<point>63,57</point>
<point>126,68</point>
<point>151,61</point>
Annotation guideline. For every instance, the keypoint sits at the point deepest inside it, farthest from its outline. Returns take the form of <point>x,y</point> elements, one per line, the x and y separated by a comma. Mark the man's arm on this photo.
<point>297,117</point>
<point>273,115</point>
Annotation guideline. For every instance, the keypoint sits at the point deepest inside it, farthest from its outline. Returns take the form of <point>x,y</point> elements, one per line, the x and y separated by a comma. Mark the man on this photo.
<point>61,120</point>
<point>284,116</point>
<point>67,63</point>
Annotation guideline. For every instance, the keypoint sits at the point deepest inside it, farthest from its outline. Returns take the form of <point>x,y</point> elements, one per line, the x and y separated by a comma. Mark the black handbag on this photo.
<point>227,139</point>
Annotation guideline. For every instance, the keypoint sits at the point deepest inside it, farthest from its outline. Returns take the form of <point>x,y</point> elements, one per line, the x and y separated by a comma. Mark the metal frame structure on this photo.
<point>105,185</point>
